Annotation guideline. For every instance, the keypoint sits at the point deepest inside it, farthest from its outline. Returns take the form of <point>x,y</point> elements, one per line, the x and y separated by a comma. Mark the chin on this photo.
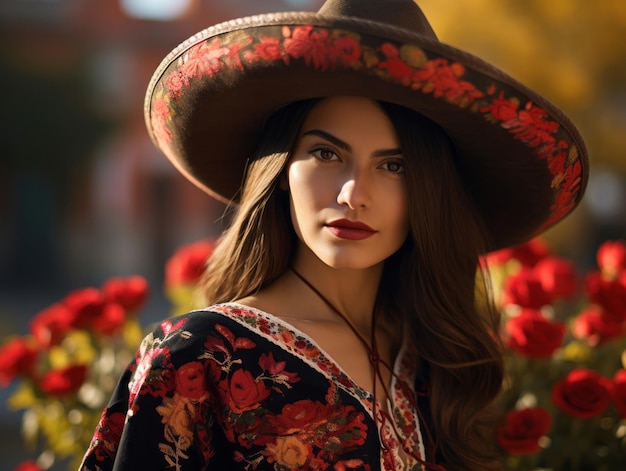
<point>352,262</point>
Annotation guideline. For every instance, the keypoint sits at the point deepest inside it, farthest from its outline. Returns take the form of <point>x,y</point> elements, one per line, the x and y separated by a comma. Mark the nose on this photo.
<point>354,191</point>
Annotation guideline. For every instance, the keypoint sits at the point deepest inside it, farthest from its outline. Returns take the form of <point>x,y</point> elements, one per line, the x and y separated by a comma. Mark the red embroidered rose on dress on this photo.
<point>190,380</point>
<point>107,434</point>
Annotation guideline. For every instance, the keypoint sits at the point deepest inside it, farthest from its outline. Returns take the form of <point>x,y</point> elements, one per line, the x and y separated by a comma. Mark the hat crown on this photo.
<point>404,14</point>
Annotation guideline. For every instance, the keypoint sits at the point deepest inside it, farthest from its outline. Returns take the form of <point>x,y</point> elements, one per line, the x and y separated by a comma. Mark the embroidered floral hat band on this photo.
<point>522,160</point>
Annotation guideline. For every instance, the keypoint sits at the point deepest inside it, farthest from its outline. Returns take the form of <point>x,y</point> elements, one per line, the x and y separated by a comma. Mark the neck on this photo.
<point>352,291</point>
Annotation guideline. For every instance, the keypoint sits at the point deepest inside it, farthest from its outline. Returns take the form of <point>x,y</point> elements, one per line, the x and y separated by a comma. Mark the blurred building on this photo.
<point>84,195</point>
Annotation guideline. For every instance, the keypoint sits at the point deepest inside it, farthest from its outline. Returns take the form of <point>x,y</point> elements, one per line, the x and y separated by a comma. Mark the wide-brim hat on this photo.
<point>522,160</point>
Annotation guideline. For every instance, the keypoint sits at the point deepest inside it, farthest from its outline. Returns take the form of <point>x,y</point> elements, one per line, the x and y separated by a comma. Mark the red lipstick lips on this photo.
<point>351,230</point>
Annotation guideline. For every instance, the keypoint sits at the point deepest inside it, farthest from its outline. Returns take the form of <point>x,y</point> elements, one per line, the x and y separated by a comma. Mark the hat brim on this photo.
<point>522,160</point>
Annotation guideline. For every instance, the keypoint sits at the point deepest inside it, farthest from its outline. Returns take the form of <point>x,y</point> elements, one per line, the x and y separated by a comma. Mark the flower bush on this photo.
<point>564,400</point>
<point>565,339</point>
<point>68,364</point>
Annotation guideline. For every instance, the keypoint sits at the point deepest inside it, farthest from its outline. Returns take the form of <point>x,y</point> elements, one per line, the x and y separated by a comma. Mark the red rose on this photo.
<point>17,357</point>
<point>596,326</point>
<point>187,265</point>
<point>110,319</point>
<point>91,309</point>
<point>85,304</point>
<point>582,393</point>
<point>523,429</point>
<point>51,325</point>
<point>28,466</point>
<point>245,391</point>
<point>611,257</point>
<point>531,252</point>
<point>63,381</point>
<point>618,391</point>
<point>525,289</point>
<point>130,293</point>
<point>557,276</point>
<point>610,294</point>
<point>190,380</point>
<point>534,336</point>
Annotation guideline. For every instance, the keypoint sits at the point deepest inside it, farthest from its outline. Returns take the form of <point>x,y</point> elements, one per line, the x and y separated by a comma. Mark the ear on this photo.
<point>283,183</point>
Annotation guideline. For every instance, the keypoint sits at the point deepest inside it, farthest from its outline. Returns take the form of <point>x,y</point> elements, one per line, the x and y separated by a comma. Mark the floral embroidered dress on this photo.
<point>232,387</point>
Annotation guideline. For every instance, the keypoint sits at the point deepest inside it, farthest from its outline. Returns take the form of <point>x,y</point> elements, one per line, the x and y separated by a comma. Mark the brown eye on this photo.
<point>394,166</point>
<point>325,154</point>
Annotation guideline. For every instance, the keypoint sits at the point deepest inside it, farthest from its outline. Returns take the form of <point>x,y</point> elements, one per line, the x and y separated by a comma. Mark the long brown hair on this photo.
<point>260,243</point>
<point>433,281</point>
<point>430,282</point>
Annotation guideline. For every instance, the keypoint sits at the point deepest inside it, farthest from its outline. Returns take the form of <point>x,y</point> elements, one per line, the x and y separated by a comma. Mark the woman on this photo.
<point>369,166</point>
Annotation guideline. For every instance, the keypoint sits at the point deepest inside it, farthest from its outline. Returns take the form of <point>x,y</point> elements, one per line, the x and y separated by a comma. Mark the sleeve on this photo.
<point>161,415</point>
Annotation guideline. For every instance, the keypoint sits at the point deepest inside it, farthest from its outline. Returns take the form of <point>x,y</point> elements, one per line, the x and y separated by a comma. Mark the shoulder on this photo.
<point>193,333</point>
<point>189,342</point>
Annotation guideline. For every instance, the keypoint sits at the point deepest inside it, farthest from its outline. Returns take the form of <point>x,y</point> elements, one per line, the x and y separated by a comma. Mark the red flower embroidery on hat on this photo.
<point>346,49</point>
<point>441,78</point>
<point>203,59</point>
<point>396,67</point>
<point>269,49</point>
<point>502,109</point>
<point>406,64</point>
<point>557,164</point>
<point>532,126</point>
<point>174,84</point>
<point>159,119</point>
<point>313,47</point>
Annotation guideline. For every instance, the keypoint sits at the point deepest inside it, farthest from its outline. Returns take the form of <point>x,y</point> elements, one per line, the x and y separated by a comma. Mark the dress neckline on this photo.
<point>345,380</point>
<point>399,406</point>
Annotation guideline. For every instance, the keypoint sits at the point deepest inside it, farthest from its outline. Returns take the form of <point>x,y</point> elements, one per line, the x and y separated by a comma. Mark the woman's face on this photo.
<point>347,184</point>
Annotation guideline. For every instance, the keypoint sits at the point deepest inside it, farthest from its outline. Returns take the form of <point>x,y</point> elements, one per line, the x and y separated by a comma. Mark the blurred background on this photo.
<point>84,195</point>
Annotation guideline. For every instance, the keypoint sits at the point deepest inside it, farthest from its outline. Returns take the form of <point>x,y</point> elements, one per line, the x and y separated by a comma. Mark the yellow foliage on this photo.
<point>182,298</point>
<point>577,352</point>
<point>571,51</point>
<point>23,397</point>
<point>133,333</point>
<point>60,432</point>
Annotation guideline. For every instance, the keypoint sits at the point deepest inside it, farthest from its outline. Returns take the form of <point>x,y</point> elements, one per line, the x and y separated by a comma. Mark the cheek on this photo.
<point>308,186</point>
<point>398,211</point>
<point>300,196</point>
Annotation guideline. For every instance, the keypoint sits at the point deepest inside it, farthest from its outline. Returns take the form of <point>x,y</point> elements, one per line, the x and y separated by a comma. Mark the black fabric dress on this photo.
<point>232,387</point>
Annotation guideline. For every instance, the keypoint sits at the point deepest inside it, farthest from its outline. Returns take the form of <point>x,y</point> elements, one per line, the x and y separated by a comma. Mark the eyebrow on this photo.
<point>347,147</point>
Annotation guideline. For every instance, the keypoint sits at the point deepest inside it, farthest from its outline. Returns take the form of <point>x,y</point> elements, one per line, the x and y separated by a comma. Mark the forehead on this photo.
<point>350,117</point>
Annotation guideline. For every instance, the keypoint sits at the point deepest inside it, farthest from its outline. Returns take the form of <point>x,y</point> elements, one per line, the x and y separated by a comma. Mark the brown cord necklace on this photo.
<point>375,361</point>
